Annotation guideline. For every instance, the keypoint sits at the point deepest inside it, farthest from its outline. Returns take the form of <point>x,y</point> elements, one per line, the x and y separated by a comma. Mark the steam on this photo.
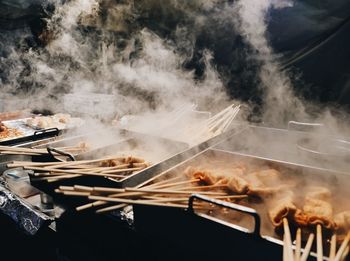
<point>117,67</point>
<point>280,103</point>
<point>143,75</point>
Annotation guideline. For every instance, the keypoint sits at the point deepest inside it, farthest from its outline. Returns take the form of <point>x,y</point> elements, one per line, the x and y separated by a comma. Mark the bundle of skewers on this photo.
<point>215,125</point>
<point>172,192</point>
<point>79,148</point>
<point>295,255</point>
<point>116,167</point>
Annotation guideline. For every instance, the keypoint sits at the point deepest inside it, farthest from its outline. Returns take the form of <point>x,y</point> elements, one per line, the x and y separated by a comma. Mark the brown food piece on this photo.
<point>317,192</point>
<point>263,183</point>
<point>8,132</point>
<point>283,207</point>
<point>342,221</point>
<point>300,218</point>
<point>131,159</point>
<point>317,206</point>
<point>84,146</point>
<point>2,127</point>
<point>109,163</point>
<point>203,175</point>
<point>238,185</point>
<point>269,177</point>
<point>318,212</point>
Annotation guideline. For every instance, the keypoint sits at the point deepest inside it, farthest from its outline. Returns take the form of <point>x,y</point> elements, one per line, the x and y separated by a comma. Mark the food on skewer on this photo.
<point>2,126</point>
<point>342,221</point>
<point>204,176</point>
<point>118,168</point>
<point>238,185</point>
<point>264,183</point>
<point>282,207</point>
<point>317,208</point>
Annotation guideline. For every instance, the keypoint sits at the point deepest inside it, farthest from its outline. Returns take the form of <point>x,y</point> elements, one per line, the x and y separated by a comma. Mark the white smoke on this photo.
<point>146,75</point>
<point>280,103</point>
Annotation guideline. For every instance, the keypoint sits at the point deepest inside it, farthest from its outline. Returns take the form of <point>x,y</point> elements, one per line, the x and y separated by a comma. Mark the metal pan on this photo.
<point>325,149</point>
<point>289,146</point>
<point>174,153</point>
<point>31,136</point>
<point>142,145</point>
<point>184,227</point>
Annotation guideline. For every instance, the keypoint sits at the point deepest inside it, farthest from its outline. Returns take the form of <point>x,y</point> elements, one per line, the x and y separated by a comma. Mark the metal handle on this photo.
<point>46,131</point>
<point>66,154</point>
<point>250,211</point>
<point>303,124</point>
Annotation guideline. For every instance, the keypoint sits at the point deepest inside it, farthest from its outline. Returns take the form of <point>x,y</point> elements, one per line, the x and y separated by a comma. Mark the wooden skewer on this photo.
<point>307,248</point>
<point>298,245</point>
<point>345,254</point>
<point>121,166</point>
<point>45,174</point>
<point>20,153</point>
<point>203,187</point>
<point>108,190</point>
<point>177,183</point>
<point>121,170</point>
<point>165,199</point>
<point>19,149</point>
<point>333,247</point>
<point>231,197</point>
<point>56,178</point>
<point>83,188</point>
<point>288,240</point>
<point>76,193</point>
<point>90,205</point>
<point>66,188</point>
<point>78,162</point>
<point>137,202</point>
<point>285,254</point>
<point>111,208</point>
<point>77,172</point>
<point>160,183</point>
<point>17,164</point>
<point>342,247</point>
<point>152,179</point>
<point>319,242</point>
<point>173,191</point>
<point>83,207</point>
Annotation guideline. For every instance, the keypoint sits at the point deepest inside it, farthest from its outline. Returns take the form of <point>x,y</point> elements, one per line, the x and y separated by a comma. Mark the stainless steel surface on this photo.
<point>336,180</point>
<point>282,145</point>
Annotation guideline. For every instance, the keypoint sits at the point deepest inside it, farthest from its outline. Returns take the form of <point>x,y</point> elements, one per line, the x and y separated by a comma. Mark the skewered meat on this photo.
<point>109,163</point>
<point>238,185</point>
<point>204,176</point>
<point>320,193</point>
<point>317,208</point>
<point>263,183</point>
<point>2,127</point>
<point>84,146</point>
<point>131,160</point>
<point>282,207</point>
<point>342,221</point>
<point>319,212</point>
<point>127,160</point>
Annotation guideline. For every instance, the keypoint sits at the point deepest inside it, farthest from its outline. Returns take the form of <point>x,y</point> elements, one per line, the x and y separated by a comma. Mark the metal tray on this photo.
<point>174,153</point>
<point>143,145</point>
<point>186,230</point>
<point>282,144</point>
<point>29,134</point>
